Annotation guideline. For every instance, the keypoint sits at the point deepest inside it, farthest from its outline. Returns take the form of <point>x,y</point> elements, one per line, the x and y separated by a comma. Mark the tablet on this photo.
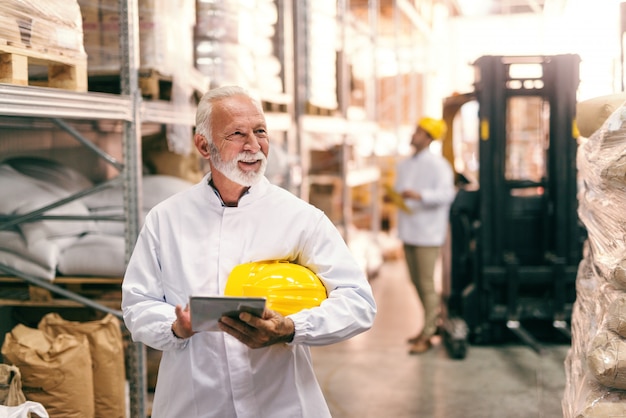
<point>207,310</point>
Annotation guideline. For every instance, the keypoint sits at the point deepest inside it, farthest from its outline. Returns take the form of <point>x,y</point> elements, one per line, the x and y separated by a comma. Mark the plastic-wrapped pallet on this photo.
<point>321,39</point>
<point>165,34</point>
<point>221,49</point>
<point>166,53</point>
<point>234,44</point>
<point>43,44</point>
<point>596,373</point>
<point>53,27</point>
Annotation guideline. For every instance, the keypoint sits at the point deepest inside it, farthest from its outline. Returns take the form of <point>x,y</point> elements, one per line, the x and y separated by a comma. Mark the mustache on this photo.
<point>247,157</point>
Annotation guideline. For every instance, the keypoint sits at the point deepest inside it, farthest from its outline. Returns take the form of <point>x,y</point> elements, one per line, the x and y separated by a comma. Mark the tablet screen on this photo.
<point>207,310</point>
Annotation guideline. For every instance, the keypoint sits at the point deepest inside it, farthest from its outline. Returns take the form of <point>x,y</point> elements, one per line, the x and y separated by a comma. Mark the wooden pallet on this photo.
<point>69,73</point>
<point>269,106</point>
<point>311,109</point>
<point>153,84</point>
<point>104,290</point>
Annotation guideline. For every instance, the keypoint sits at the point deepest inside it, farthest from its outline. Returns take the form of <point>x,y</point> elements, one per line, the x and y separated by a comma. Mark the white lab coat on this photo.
<point>432,176</point>
<point>187,246</point>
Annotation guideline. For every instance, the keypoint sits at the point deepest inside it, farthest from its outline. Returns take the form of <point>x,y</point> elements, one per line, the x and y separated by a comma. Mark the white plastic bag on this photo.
<point>23,410</point>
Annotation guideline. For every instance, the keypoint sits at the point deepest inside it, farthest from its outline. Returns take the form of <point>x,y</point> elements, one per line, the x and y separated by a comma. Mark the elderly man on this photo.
<point>254,366</point>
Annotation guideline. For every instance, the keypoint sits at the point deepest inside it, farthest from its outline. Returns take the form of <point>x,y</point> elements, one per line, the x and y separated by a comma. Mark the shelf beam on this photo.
<point>57,103</point>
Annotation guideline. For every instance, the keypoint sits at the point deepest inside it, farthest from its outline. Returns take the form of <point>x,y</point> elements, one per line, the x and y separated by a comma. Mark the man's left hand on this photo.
<point>256,332</point>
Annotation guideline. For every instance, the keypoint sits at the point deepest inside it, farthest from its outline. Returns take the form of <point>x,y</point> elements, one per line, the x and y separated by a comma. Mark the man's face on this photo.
<point>420,139</point>
<point>240,140</point>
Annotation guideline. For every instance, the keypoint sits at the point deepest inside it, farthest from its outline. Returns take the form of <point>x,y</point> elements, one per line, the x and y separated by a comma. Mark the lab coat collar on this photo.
<point>252,194</point>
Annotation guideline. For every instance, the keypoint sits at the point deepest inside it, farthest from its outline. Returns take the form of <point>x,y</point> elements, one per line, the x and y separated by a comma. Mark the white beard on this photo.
<point>231,170</point>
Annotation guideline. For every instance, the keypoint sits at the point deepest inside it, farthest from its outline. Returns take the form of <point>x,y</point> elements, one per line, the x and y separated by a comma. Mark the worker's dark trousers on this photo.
<point>421,263</point>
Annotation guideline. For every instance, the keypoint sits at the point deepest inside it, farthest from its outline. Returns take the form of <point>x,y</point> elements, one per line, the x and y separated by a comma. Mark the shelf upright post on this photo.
<point>300,93</point>
<point>397,98</point>
<point>371,105</point>
<point>286,53</point>
<point>343,88</point>
<point>371,90</point>
<point>129,77</point>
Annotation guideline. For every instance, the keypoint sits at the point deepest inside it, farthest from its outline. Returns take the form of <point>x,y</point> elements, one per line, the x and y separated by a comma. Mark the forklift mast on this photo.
<point>507,227</point>
<point>516,239</point>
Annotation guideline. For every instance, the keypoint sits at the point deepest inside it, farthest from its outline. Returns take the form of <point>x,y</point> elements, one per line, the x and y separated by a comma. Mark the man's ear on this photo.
<point>202,145</point>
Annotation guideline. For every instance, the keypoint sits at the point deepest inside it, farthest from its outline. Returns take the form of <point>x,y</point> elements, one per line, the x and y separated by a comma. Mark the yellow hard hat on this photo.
<point>435,127</point>
<point>288,287</point>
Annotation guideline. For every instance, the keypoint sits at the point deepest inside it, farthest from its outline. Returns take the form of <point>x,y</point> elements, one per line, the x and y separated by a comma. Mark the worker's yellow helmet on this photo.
<point>287,287</point>
<point>435,127</point>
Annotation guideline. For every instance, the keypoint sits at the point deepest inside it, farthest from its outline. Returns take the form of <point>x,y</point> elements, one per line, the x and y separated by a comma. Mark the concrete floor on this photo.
<point>372,375</point>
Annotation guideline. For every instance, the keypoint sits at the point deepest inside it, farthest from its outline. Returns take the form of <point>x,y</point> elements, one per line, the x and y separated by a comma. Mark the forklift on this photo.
<point>515,238</point>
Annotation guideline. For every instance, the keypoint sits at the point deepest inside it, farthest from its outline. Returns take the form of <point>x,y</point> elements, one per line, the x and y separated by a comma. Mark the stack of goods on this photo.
<point>595,369</point>
<point>45,42</point>
<point>73,369</point>
<point>166,56</point>
<point>81,247</point>
<point>321,68</point>
<point>165,34</point>
<point>234,44</point>
<point>53,26</point>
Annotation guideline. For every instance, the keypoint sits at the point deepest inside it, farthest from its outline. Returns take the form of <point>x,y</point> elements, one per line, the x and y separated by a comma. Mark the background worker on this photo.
<point>426,182</point>
<point>257,366</point>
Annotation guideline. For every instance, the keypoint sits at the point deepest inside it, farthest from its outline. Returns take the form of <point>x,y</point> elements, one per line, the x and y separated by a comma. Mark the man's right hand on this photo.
<point>182,325</point>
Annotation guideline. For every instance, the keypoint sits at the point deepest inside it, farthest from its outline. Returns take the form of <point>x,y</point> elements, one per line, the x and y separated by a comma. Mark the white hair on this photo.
<point>205,107</point>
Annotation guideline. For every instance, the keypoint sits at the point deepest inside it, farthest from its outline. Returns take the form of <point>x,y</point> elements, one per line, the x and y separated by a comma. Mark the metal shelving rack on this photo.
<point>58,105</point>
<point>336,125</point>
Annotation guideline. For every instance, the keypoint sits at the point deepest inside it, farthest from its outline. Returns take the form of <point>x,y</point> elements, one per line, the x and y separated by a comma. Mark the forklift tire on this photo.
<point>455,334</point>
<point>457,349</point>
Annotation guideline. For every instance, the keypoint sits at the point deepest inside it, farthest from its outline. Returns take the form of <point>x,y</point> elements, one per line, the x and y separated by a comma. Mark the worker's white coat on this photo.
<point>431,176</point>
<point>187,246</point>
